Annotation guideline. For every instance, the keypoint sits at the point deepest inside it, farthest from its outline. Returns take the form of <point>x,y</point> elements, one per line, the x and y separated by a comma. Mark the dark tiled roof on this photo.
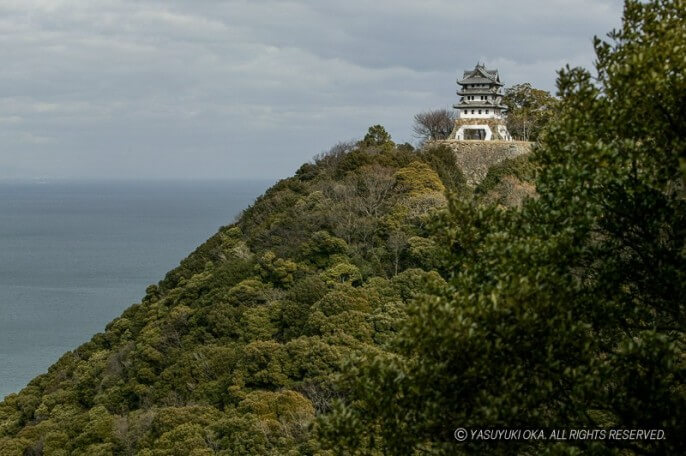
<point>476,80</point>
<point>476,105</point>
<point>490,91</point>
<point>480,75</point>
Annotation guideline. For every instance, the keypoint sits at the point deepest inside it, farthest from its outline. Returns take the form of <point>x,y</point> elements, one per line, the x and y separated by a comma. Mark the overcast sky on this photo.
<point>253,88</point>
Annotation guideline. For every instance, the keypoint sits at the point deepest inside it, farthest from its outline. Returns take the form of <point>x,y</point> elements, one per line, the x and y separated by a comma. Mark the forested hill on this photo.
<point>373,303</point>
<point>234,352</point>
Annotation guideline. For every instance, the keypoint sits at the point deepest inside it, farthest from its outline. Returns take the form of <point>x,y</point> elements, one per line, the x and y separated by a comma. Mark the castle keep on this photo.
<point>480,112</point>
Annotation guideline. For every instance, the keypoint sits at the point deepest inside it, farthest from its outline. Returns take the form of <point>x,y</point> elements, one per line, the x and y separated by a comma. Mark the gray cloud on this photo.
<point>200,88</point>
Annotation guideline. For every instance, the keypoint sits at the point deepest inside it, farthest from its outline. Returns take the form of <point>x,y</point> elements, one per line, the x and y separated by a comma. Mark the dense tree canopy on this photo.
<point>568,312</point>
<point>529,111</point>
<point>235,351</point>
<point>373,302</point>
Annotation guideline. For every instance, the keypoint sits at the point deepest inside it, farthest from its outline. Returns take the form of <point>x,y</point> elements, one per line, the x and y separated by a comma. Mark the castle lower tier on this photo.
<point>483,129</point>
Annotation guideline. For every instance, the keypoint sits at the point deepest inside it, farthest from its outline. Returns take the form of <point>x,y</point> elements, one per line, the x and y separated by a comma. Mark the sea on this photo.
<point>75,254</point>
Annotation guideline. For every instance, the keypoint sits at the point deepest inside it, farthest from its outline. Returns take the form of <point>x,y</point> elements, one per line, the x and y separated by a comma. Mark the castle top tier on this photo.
<point>480,75</point>
<point>480,94</point>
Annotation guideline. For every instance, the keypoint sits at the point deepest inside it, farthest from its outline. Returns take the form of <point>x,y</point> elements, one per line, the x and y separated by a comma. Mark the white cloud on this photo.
<point>170,88</point>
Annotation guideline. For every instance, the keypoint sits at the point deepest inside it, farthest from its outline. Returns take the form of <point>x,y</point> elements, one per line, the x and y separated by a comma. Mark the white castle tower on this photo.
<point>480,112</point>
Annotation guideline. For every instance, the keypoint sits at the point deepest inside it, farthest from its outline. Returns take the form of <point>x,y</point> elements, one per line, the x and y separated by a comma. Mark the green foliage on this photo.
<point>508,183</point>
<point>377,137</point>
<point>277,270</point>
<point>236,349</point>
<point>342,273</point>
<point>569,311</point>
<point>529,111</point>
<point>441,158</point>
<point>322,247</point>
<point>349,301</point>
<point>424,252</point>
<point>418,178</point>
<point>520,167</point>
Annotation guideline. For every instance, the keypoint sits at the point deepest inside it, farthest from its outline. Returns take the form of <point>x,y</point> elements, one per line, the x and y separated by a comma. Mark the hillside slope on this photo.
<point>234,352</point>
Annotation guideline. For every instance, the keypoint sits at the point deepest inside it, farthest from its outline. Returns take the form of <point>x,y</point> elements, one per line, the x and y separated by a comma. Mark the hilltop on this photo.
<point>237,348</point>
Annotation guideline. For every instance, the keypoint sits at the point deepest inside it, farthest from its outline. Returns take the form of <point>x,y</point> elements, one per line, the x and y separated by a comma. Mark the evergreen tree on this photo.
<point>529,110</point>
<point>568,312</point>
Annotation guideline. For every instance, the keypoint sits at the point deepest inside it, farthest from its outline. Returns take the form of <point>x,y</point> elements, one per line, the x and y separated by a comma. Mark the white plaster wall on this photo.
<point>477,98</point>
<point>492,114</point>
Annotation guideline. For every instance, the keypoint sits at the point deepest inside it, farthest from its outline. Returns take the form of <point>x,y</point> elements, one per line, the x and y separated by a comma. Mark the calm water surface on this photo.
<point>74,255</point>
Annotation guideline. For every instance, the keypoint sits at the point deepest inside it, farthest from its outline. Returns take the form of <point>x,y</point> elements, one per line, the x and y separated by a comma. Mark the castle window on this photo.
<point>472,111</point>
<point>487,111</point>
<point>479,111</point>
<point>465,111</point>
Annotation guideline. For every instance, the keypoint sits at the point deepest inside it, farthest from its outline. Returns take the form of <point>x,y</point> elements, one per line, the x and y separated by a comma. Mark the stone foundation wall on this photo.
<point>476,157</point>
